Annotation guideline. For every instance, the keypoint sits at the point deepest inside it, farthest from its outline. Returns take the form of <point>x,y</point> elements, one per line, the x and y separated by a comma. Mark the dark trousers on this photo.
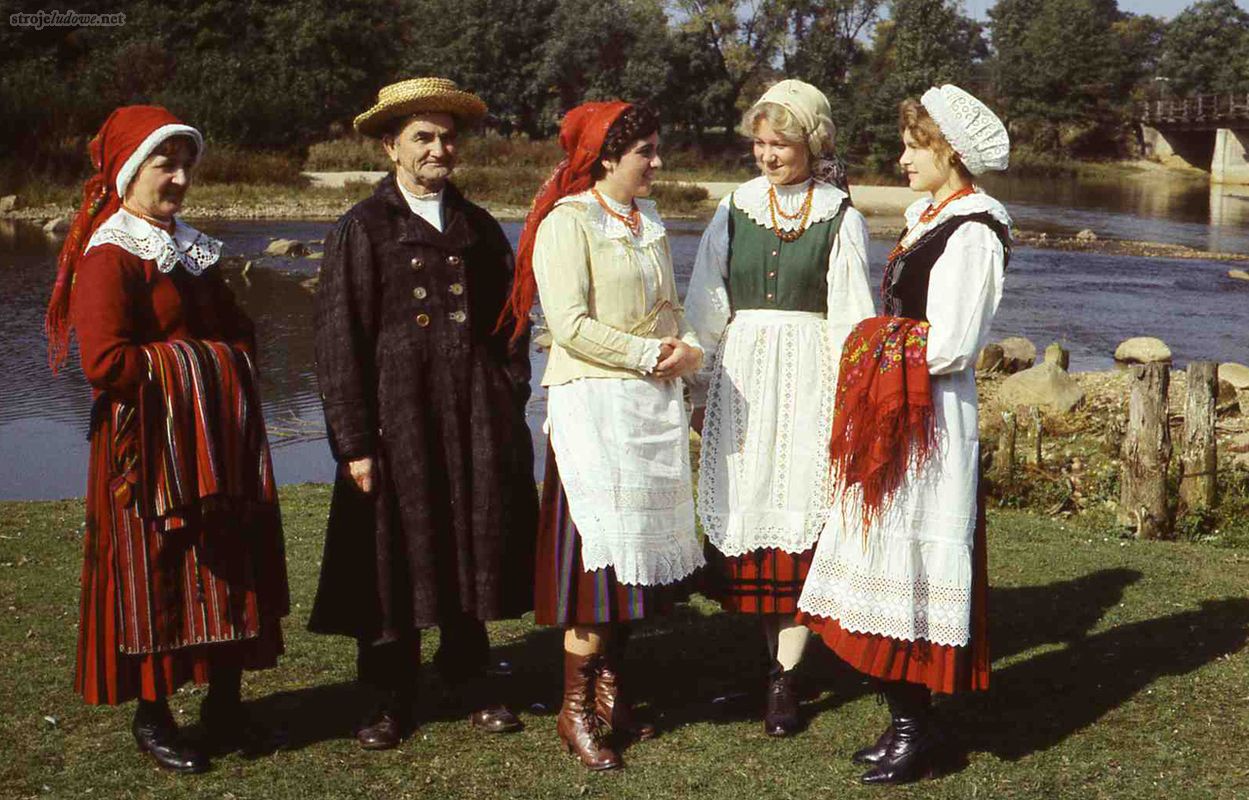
<point>391,666</point>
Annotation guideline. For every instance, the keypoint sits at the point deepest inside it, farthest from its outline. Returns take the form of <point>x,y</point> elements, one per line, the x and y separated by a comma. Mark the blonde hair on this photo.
<point>820,142</point>
<point>914,119</point>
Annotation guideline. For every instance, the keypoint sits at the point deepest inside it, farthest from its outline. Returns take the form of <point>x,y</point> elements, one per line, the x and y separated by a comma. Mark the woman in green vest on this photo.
<point>780,279</point>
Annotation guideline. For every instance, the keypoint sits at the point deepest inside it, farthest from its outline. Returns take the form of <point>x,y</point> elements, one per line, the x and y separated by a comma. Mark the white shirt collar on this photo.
<point>752,199</point>
<point>611,227</point>
<point>973,203</point>
<point>186,246</point>
<point>426,206</point>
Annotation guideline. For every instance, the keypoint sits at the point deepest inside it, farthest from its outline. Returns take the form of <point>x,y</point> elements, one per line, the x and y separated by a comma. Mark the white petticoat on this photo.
<point>763,473</point>
<point>622,446</point>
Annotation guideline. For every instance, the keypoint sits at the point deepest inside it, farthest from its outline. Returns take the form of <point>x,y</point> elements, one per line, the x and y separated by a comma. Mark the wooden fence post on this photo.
<point>1198,453</point>
<point>1146,454</point>
<point>1004,458</point>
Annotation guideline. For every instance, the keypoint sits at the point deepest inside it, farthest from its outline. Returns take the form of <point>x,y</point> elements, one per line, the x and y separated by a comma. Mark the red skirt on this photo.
<point>942,668</point>
<point>764,581</point>
<point>124,557</point>
<point>564,593</point>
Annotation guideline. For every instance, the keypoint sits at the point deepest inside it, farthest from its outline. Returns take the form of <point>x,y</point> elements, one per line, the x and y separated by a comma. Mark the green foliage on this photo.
<point>1206,49</point>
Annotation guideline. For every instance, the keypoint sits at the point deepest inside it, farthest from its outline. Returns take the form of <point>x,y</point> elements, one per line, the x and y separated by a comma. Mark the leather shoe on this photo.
<point>384,731</point>
<point>495,719</point>
<point>874,753</point>
<point>229,727</point>
<point>157,734</point>
<point>913,751</point>
<point>780,717</point>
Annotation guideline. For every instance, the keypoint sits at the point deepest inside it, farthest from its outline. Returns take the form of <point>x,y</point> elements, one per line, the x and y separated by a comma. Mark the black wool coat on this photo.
<point>413,374</point>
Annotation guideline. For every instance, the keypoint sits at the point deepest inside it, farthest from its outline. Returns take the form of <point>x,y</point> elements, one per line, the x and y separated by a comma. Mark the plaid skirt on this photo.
<point>764,581</point>
<point>564,593</point>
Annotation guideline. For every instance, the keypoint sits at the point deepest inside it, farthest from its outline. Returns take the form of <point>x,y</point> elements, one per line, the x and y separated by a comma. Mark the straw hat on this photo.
<point>418,96</point>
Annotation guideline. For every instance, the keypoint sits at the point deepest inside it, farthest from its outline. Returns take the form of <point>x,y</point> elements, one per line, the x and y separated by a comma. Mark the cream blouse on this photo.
<point>592,275</point>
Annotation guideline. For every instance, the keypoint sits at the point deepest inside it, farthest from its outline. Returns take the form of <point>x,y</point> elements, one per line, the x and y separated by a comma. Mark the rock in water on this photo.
<point>1086,235</point>
<point>58,225</point>
<point>1057,355</point>
<point>286,247</point>
<point>1046,385</point>
<point>1017,354</point>
<point>1238,274</point>
<point>990,359</point>
<point>8,203</point>
<point>1143,350</point>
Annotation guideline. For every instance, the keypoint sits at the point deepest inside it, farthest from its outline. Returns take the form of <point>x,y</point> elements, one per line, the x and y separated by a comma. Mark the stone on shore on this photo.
<point>1058,355</point>
<point>286,247</point>
<point>1086,235</point>
<point>1018,354</point>
<point>1238,274</point>
<point>1143,350</point>
<point>1046,385</point>
<point>8,203</point>
<point>1235,374</point>
<point>990,359</point>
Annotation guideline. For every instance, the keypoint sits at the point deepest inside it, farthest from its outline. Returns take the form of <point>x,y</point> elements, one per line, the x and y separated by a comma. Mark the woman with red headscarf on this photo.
<point>616,527</point>
<point>184,575</point>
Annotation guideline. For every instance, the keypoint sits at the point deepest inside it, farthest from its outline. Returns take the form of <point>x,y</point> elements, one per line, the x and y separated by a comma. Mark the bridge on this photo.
<point>1207,129</point>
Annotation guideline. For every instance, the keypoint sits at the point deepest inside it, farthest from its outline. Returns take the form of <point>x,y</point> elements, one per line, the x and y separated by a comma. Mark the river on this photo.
<point>1086,301</point>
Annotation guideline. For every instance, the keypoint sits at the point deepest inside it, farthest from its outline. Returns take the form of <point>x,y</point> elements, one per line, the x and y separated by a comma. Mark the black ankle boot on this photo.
<point>228,725</point>
<point>156,733</point>
<point>874,753</point>
<point>912,752</point>
<point>780,716</point>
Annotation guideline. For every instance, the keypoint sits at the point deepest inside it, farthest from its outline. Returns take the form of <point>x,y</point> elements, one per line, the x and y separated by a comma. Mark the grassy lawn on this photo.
<point>1119,673</point>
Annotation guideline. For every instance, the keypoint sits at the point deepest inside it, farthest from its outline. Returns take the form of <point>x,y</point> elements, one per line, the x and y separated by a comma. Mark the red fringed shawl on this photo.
<point>883,422</point>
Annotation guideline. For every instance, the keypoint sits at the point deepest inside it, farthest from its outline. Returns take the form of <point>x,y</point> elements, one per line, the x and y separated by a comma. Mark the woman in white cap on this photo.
<point>898,591</point>
<point>780,279</point>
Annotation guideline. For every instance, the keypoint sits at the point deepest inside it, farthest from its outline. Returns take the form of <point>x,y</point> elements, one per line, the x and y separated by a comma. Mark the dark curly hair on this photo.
<point>636,123</point>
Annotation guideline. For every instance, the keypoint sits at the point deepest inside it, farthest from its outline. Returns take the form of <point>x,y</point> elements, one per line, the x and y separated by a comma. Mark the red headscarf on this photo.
<point>581,134</point>
<point>127,138</point>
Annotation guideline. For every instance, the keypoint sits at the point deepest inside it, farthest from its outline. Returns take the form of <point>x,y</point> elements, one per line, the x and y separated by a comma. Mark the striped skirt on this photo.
<point>764,581</point>
<point>564,593</point>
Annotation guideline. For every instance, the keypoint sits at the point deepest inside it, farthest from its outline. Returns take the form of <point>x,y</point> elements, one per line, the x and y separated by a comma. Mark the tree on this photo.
<point>1206,49</point>
<point>824,40</point>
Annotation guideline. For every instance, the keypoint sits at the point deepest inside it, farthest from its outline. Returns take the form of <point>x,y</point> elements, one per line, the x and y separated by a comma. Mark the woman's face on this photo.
<point>782,161</point>
<point>633,174</point>
<point>160,185</point>
<point>925,170</point>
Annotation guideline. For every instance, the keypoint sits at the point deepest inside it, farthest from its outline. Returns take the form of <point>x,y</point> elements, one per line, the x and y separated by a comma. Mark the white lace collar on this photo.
<point>971,204</point>
<point>195,251</point>
<point>652,225</point>
<point>751,198</point>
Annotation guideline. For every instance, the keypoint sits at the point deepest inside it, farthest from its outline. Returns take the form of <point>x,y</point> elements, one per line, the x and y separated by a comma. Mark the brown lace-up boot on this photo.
<point>577,725</point>
<point>611,703</point>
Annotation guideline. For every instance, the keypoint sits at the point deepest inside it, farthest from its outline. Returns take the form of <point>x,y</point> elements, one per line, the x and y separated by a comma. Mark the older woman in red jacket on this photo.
<point>184,575</point>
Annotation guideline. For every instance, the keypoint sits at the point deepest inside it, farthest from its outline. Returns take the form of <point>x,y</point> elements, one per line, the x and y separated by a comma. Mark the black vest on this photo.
<point>904,292</point>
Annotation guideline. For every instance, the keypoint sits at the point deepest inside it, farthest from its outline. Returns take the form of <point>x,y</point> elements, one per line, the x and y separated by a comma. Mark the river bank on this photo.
<point>329,194</point>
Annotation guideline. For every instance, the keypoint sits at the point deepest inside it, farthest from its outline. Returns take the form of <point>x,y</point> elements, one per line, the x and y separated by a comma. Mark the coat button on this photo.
<point>454,261</point>
<point>774,252</point>
<point>417,263</point>
<point>770,295</point>
<point>422,319</point>
<point>419,293</point>
<point>456,288</point>
<point>458,316</point>
<point>771,274</point>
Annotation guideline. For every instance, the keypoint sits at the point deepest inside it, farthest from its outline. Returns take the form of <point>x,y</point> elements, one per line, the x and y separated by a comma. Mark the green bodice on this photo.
<point>767,272</point>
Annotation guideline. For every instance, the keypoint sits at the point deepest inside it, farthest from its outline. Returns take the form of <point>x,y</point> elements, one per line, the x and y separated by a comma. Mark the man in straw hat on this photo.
<point>434,511</point>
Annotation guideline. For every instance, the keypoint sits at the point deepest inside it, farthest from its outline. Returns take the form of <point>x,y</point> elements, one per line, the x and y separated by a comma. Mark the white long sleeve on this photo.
<point>707,306</point>
<point>849,287</point>
<point>964,289</point>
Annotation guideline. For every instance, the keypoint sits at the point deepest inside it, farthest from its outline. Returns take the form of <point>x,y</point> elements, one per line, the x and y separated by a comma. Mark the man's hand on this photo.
<point>363,473</point>
<point>681,361</point>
